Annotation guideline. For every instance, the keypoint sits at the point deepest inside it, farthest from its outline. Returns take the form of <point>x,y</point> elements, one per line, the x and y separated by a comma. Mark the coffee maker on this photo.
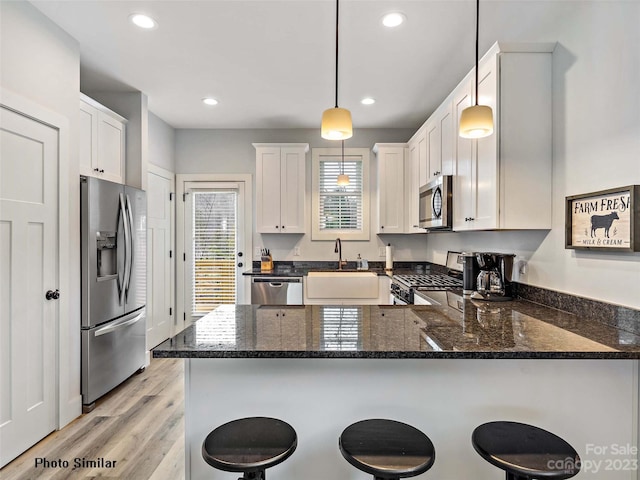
<point>494,280</point>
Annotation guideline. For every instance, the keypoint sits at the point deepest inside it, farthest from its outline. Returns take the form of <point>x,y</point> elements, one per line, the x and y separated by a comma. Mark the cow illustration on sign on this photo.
<point>603,221</point>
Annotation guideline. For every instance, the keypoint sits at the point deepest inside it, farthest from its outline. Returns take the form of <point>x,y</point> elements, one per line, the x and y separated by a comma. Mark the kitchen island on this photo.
<point>442,368</point>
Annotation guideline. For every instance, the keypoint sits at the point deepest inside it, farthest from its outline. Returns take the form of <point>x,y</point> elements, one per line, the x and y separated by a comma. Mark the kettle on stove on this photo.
<point>494,280</point>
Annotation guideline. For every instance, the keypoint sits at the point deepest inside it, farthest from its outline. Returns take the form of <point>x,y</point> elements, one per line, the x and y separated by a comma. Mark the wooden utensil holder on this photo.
<point>266,264</point>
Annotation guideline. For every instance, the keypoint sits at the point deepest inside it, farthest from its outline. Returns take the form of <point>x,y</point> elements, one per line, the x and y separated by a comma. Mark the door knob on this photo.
<point>52,295</point>
<point>239,254</point>
<point>240,264</point>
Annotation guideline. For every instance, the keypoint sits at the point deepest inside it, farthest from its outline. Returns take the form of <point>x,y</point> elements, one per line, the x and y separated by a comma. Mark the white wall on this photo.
<point>42,63</point>
<point>231,151</point>
<point>596,145</point>
<point>162,143</point>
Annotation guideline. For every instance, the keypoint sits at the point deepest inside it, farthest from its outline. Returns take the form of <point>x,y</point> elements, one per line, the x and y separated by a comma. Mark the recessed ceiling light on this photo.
<point>209,101</point>
<point>143,21</point>
<point>393,19</point>
<point>368,101</point>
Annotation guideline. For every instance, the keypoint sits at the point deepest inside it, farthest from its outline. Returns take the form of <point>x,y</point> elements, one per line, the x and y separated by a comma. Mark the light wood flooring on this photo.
<point>139,425</point>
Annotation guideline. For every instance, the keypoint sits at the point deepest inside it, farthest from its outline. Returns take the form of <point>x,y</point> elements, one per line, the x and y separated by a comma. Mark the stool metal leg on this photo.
<point>259,475</point>
<point>513,476</point>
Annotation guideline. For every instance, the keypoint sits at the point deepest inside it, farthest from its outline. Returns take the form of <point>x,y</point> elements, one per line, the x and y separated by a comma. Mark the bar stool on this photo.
<point>525,452</point>
<point>249,445</point>
<point>387,449</point>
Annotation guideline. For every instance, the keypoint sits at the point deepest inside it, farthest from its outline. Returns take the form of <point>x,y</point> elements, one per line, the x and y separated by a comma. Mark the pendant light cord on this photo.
<point>337,13</point>
<point>477,35</point>
<point>342,163</point>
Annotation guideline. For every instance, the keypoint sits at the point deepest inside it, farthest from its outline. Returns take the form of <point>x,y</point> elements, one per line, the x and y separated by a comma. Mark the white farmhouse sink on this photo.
<point>342,284</point>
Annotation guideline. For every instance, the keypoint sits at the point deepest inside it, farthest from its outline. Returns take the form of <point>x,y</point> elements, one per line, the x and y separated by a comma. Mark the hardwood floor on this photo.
<point>138,427</point>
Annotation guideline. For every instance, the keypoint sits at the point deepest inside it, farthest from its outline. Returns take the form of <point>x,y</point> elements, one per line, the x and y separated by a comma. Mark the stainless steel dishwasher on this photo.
<point>276,290</point>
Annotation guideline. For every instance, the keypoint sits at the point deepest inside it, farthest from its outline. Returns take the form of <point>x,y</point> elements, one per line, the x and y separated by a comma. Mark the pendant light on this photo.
<point>476,121</point>
<point>336,122</point>
<point>343,180</point>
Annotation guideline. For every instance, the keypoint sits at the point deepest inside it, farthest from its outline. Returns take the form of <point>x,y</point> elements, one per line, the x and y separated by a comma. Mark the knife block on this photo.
<point>266,264</point>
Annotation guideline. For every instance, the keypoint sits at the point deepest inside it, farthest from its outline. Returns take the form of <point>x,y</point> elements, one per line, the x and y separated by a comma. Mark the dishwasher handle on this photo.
<point>276,281</point>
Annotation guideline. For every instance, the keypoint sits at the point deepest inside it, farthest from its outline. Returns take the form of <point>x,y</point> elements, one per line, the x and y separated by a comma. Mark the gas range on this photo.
<point>403,286</point>
<point>428,281</point>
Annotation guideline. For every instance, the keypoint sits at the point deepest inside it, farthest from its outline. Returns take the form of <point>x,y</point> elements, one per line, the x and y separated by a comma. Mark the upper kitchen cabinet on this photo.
<point>503,181</point>
<point>415,174</point>
<point>280,187</point>
<point>441,131</point>
<point>102,141</point>
<point>391,191</point>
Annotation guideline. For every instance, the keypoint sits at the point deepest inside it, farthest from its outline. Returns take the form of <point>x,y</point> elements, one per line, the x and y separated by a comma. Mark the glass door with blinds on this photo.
<point>214,238</point>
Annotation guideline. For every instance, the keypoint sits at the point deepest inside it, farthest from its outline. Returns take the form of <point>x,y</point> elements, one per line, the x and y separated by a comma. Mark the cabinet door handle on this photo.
<point>283,227</point>
<point>277,226</point>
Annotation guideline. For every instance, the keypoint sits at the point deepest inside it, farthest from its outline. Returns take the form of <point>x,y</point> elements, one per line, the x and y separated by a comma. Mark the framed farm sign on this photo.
<point>605,220</point>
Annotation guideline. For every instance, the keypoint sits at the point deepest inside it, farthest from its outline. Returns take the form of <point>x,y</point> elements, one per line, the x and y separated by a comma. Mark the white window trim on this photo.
<point>316,234</point>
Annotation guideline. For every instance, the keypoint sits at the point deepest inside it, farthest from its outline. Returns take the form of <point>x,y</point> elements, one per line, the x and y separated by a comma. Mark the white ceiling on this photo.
<point>271,63</point>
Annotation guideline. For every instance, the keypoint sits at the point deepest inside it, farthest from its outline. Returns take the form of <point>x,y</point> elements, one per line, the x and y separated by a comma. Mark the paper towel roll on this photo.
<point>389,259</point>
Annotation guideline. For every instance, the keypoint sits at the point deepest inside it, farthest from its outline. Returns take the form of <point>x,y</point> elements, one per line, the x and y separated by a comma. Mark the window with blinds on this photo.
<point>340,211</point>
<point>340,206</point>
<point>341,328</point>
<point>214,249</point>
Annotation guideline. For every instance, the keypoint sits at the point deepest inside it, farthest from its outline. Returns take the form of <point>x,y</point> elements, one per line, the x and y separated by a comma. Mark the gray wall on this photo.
<point>162,143</point>
<point>596,145</point>
<point>231,151</point>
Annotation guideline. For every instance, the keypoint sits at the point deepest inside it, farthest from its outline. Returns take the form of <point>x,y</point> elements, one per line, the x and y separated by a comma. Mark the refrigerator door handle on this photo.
<point>129,245</point>
<point>123,216</point>
<point>116,326</point>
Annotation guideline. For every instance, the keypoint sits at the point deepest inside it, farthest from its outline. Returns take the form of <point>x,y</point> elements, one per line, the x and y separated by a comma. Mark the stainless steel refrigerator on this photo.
<point>113,226</point>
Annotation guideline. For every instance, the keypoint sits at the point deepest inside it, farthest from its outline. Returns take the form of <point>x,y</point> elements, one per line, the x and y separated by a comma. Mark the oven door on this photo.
<point>435,204</point>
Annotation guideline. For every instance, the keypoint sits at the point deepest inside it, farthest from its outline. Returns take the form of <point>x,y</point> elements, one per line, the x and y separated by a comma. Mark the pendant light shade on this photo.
<point>336,122</point>
<point>343,180</point>
<point>476,121</point>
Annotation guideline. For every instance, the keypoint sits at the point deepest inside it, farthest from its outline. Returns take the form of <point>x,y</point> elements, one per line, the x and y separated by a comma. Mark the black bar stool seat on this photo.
<point>525,452</point>
<point>249,445</point>
<point>387,449</point>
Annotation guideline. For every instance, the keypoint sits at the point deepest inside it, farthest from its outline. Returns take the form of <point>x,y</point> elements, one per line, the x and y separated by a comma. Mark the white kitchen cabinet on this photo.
<point>280,187</point>
<point>412,184</point>
<point>102,141</point>
<point>504,181</point>
<point>440,141</point>
<point>391,192</point>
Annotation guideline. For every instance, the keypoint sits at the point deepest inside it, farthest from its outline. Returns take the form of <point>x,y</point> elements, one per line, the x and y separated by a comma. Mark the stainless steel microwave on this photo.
<point>436,203</point>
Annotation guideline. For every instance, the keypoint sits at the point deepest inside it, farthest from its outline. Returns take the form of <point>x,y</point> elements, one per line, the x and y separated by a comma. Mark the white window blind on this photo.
<point>341,207</point>
<point>341,328</point>
<point>214,249</point>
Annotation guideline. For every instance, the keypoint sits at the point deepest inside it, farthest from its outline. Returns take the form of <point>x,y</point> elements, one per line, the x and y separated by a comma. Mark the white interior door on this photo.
<point>160,257</point>
<point>29,165</point>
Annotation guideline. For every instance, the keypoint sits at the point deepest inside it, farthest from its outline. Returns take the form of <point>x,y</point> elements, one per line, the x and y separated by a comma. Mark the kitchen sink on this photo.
<point>342,284</point>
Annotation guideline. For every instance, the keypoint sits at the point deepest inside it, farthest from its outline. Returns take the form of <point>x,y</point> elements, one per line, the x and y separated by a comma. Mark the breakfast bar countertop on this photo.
<point>457,328</point>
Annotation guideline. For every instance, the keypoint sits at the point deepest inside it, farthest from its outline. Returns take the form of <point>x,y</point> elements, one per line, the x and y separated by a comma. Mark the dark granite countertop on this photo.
<point>301,269</point>
<point>456,328</point>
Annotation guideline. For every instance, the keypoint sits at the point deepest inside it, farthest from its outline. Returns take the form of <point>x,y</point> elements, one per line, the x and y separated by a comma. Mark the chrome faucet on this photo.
<point>338,250</point>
